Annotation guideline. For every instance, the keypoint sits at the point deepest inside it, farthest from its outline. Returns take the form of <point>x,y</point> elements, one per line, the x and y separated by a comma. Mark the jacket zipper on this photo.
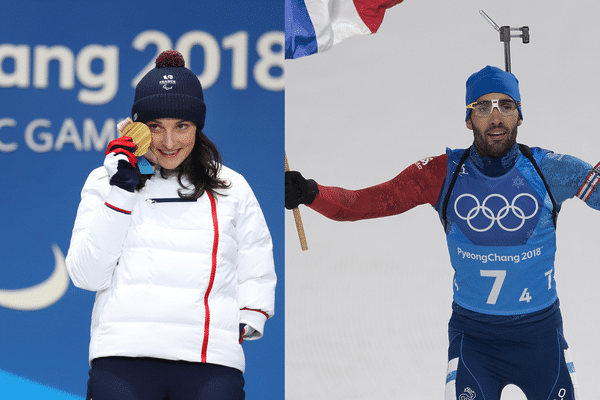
<point>170,200</point>
<point>213,207</point>
<point>213,270</point>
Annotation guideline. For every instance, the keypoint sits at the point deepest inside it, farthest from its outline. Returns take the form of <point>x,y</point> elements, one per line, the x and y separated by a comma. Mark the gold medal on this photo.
<point>137,131</point>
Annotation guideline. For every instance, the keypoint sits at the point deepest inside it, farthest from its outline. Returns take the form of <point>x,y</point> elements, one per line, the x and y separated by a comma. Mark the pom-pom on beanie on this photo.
<point>492,80</point>
<point>169,91</point>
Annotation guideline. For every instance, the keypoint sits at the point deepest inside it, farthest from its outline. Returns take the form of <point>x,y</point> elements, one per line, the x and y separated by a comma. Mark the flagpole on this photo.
<point>297,218</point>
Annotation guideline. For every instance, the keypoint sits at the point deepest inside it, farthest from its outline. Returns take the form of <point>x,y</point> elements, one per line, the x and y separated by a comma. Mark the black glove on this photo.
<point>120,163</point>
<point>299,190</point>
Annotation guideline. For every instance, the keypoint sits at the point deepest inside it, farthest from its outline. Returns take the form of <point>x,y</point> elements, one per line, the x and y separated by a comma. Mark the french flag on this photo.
<point>314,26</point>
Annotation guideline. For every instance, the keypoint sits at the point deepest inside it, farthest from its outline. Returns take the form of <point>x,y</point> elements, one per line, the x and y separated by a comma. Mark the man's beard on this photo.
<point>494,149</point>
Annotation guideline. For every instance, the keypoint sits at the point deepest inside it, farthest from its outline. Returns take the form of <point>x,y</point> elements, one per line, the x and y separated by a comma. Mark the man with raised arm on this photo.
<point>498,202</point>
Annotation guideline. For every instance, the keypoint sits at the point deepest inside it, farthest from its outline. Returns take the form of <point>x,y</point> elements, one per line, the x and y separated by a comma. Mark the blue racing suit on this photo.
<point>500,220</point>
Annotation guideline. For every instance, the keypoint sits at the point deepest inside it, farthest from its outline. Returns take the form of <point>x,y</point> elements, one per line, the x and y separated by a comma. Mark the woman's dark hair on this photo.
<point>201,168</point>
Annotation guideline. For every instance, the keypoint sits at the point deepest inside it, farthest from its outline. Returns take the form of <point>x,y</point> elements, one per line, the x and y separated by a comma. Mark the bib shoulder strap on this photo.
<point>451,186</point>
<point>529,154</point>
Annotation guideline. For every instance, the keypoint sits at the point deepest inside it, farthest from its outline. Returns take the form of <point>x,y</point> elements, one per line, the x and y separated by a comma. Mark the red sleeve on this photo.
<point>420,183</point>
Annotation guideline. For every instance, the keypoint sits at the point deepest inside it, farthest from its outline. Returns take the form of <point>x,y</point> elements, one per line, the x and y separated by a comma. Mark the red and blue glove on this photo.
<point>246,331</point>
<point>120,162</point>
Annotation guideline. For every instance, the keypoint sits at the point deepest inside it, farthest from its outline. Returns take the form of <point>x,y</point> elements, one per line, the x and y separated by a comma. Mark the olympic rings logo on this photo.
<point>502,213</point>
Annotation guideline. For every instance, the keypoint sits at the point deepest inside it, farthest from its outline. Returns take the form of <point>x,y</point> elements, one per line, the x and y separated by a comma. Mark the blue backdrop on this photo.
<point>67,76</point>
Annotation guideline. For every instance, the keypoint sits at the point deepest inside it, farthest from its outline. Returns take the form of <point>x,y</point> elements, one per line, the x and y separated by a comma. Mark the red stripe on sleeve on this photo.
<point>117,209</point>
<point>260,311</point>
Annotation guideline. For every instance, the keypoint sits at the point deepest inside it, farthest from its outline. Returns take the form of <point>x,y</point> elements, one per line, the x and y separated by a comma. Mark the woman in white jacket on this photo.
<point>180,257</point>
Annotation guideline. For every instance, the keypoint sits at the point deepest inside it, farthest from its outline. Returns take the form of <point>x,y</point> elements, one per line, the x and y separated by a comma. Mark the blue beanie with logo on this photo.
<point>492,80</point>
<point>169,91</point>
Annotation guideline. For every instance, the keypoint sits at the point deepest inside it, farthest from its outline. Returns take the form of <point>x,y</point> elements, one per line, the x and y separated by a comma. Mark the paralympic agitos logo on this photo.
<point>43,294</point>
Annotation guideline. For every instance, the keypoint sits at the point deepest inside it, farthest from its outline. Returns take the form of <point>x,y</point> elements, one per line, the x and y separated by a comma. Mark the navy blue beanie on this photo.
<point>492,80</point>
<point>169,91</point>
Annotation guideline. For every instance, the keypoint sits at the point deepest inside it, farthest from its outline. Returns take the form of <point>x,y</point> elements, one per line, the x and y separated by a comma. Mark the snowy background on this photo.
<point>367,305</point>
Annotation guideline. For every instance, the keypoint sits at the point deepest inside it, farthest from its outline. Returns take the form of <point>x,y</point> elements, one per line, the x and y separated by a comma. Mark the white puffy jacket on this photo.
<point>174,278</point>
